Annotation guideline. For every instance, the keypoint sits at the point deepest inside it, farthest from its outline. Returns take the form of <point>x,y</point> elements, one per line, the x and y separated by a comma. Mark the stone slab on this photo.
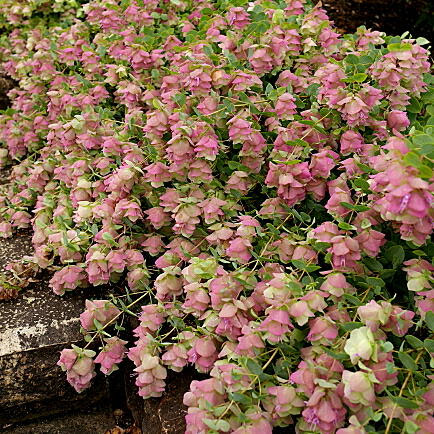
<point>33,330</point>
<point>95,421</point>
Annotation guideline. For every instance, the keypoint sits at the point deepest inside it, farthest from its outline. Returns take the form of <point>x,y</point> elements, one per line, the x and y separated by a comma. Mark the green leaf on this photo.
<point>179,99</point>
<point>404,402</point>
<point>387,273</point>
<point>268,89</point>
<point>390,368</point>
<point>211,423</point>
<point>373,264</point>
<point>206,11</point>
<point>223,425</point>
<point>360,208</point>
<point>425,171</point>
<point>356,78</point>
<point>346,226</point>
<point>410,427</point>
<point>375,282</point>
<point>352,299</point>
<point>312,89</point>
<point>422,41</point>
<point>429,345</point>
<point>349,326</point>
<point>387,346</point>
<point>429,319</point>
<point>407,361</point>
<point>239,397</point>
<point>302,265</point>
<point>395,255</point>
<point>412,159</point>
<point>254,367</point>
<point>422,139</point>
<point>352,59</point>
<point>399,47</point>
<point>414,341</point>
<point>337,356</point>
<point>414,106</point>
<point>229,106</point>
<point>362,184</point>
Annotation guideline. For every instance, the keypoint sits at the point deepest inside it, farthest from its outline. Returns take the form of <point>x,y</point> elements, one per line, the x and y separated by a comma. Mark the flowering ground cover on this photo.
<point>256,189</point>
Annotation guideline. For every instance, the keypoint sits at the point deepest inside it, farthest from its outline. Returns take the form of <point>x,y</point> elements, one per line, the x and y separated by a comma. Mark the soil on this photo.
<point>392,17</point>
<point>6,84</point>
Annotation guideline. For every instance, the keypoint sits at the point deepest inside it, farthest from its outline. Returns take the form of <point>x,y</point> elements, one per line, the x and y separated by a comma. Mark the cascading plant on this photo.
<point>253,186</point>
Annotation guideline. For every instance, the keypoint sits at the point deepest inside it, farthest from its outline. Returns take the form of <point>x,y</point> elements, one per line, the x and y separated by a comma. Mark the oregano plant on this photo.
<point>251,187</point>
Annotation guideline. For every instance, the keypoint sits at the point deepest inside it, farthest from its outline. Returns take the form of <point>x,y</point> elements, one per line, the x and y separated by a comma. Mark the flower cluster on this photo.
<point>253,186</point>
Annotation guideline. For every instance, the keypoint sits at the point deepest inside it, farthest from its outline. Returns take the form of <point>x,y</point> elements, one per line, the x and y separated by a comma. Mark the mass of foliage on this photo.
<point>254,189</point>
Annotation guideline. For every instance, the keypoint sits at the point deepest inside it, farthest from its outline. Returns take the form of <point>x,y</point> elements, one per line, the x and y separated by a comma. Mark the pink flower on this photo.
<point>137,279</point>
<point>284,402</point>
<point>325,232</point>
<point>322,330</point>
<point>208,105</point>
<point>258,424</point>
<point>359,387</point>
<point>345,252</point>
<point>111,354</point>
<point>153,245</point>
<point>5,230</point>
<point>238,17</point>
<point>232,319</point>
<point>351,141</point>
<point>248,342</point>
<point>285,106</point>
<point>195,420</point>
<point>322,163</point>
<point>306,254</point>
<point>103,311</point>
<point>398,120</point>
<point>243,81</point>
<point>97,267</point>
<point>116,261</point>
<point>151,376</point>
<point>197,299</point>
<point>239,249</point>
<point>324,410</point>
<point>276,326</point>
<point>207,147</point>
<point>168,283</point>
<point>151,319</point>
<point>67,279</point>
<point>157,217</point>
<point>400,321</point>
<point>198,81</point>
<point>206,391</point>
<point>211,209</point>
<point>370,241</point>
<point>382,374</point>
<point>239,130</point>
<point>79,367</point>
<point>261,61</point>
<point>290,181</point>
<point>234,377</point>
<point>336,284</point>
<point>67,359</point>
<point>203,354</point>
<point>301,312</point>
<point>374,315</point>
<point>175,357</point>
<point>127,209</point>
